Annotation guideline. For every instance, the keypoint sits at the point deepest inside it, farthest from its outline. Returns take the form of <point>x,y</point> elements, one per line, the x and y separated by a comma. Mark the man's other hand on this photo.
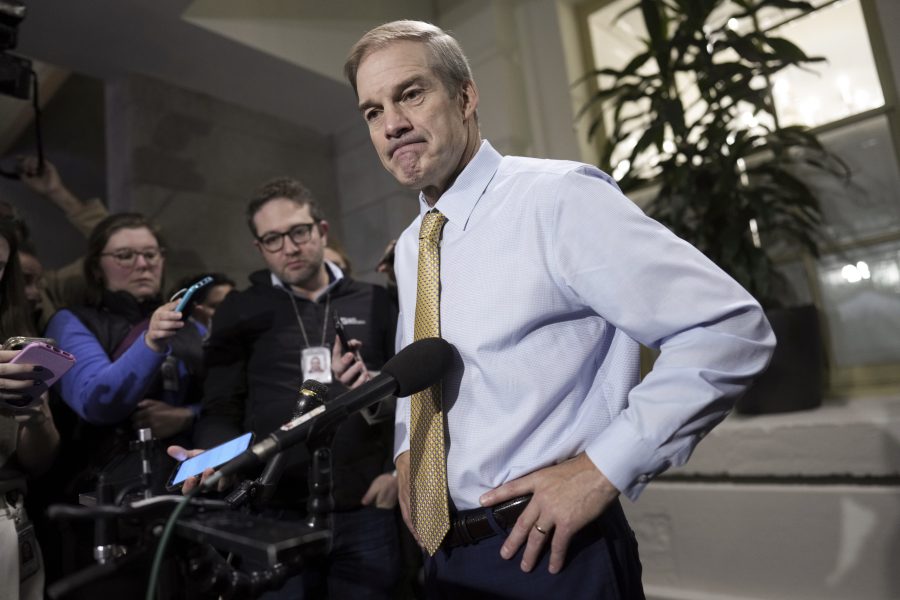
<point>382,492</point>
<point>402,465</point>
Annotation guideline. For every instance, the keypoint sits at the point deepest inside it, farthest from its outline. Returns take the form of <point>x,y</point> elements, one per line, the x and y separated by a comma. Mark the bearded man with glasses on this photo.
<point>268,339</point>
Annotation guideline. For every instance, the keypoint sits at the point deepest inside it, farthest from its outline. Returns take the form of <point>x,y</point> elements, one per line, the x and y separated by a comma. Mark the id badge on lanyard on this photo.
<point>316,363</point>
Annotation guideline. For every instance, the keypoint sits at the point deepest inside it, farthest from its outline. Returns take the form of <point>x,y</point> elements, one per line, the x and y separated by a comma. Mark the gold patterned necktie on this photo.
<point>428,468</point>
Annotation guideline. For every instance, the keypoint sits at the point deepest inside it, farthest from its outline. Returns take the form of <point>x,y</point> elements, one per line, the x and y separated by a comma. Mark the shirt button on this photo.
<point>644,478</point>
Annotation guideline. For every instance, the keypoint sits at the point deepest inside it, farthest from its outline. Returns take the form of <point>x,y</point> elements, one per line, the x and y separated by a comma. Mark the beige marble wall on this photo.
<point>191,161</point>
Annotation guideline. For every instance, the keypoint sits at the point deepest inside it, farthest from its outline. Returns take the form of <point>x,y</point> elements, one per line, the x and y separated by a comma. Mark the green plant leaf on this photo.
<point>787,51</point>
<point>721,174</point>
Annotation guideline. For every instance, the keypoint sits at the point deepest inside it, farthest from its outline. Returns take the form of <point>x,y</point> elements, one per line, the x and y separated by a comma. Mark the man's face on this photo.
<point>421,134</point>
<point>33,273</point>
<point>295,264</point>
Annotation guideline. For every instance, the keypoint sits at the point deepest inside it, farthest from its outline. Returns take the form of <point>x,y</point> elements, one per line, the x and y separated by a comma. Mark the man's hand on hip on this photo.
<point>566,497</point>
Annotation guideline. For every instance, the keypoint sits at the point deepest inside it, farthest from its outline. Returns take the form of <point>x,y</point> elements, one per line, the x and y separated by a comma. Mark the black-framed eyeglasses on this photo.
<point>127,257</point>
<point>299,234</point>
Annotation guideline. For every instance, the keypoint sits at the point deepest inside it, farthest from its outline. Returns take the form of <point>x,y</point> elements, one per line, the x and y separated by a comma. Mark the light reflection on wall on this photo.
<point>862,301</point>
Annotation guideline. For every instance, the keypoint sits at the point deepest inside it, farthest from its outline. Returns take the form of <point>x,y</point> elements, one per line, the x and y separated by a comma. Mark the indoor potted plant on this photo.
<point>691,119</point>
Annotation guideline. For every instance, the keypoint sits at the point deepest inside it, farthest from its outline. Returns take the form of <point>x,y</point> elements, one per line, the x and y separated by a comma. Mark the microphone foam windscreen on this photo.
<point>316,388</point>
<point>419,365</point>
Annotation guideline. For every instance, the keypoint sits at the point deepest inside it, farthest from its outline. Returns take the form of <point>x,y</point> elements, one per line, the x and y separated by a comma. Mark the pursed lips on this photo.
<point>399,145</point>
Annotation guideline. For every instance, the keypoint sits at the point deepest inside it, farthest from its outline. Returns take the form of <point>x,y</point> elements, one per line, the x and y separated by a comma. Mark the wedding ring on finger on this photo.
<point>540,529</point>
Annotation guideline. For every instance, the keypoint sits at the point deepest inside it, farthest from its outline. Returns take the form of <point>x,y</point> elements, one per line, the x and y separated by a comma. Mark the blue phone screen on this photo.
<point>191,291</point>
<point>212,458</point>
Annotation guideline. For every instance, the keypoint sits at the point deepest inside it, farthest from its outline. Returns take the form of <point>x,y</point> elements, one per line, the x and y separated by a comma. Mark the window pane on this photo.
<point>861,292</point>
<point>614,43</point>
<point>869,204</point>
<point>845,85</point>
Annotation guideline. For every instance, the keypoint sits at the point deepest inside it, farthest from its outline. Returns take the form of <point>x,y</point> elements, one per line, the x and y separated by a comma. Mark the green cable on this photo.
<point>164,541</point>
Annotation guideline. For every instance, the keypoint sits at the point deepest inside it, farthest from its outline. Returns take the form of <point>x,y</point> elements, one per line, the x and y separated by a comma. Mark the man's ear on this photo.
<point>323,231</point>
<point>469,99</point>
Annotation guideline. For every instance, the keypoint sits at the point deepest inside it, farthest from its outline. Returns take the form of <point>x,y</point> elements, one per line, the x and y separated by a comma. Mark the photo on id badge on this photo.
<point>316,364</point>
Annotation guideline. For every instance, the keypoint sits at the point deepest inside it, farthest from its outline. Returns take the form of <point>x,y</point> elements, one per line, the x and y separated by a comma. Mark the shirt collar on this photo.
<point>458,202</point>
<point>334,276</point>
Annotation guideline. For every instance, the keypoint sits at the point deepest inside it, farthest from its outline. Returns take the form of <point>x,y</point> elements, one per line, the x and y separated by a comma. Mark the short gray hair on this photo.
<point>447,58</point>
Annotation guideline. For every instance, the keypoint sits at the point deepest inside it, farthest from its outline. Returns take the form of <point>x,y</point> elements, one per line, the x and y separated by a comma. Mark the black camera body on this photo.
<point>15,72</point>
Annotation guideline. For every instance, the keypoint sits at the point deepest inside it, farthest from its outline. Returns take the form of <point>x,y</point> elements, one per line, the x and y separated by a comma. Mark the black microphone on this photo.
<point>416,367</point>
<point>313,394</point>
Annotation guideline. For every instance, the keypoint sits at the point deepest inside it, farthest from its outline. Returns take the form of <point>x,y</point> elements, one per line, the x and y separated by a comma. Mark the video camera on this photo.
<point>17,76</point>
<point>15,72</point>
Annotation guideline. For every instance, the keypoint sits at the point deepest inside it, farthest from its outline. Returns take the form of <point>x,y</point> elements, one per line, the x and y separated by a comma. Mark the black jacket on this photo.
<point>254,374</point>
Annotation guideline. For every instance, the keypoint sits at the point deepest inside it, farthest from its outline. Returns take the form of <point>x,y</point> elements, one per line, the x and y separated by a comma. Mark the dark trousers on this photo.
<point>364,562</point>
<point>601,563</point>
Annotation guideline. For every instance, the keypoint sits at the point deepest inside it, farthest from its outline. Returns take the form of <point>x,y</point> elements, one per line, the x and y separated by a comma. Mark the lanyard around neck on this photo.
<point>300,321</point>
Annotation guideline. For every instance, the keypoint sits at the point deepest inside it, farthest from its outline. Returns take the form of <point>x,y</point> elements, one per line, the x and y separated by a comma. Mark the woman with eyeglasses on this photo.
<point>28,435</point>
<point>139,364</point>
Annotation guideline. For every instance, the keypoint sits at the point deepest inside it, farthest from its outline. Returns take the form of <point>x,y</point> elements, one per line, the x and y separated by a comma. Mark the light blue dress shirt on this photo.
<point>550,277</point>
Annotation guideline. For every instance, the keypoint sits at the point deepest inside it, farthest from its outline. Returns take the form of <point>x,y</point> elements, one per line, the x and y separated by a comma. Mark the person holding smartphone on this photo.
<point>28,436</point>
<point>268,339</point>
<point>139,363</point>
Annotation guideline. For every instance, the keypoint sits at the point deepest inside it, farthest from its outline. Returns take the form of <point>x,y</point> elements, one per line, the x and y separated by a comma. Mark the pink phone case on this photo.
<point>55,361</point>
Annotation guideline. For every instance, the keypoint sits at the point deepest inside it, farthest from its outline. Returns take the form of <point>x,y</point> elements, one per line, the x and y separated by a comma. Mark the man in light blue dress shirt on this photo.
<point>550,280</point>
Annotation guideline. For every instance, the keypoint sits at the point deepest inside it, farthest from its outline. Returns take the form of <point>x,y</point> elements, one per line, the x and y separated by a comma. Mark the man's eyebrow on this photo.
<point>415,79</point>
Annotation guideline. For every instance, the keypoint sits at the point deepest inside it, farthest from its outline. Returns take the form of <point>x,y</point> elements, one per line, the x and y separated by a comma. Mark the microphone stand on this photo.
<point>106,529</point>
<point>320,504</point>
<point>147,448</point>
<point>260,490</point>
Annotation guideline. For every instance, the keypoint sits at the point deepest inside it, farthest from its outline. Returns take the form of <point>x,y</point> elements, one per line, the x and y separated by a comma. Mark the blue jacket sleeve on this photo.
<point>101,391</point>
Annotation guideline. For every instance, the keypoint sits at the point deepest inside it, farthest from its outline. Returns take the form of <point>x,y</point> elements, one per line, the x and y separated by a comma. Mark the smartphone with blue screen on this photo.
<point>188,301</point>
<point>212,458</point>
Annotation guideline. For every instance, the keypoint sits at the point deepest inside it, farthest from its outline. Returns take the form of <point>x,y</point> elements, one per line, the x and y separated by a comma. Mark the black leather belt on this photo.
<point>471,526</point>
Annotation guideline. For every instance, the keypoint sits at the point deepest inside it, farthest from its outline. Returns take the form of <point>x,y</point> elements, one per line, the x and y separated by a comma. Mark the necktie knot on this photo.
<point>432,223</point>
